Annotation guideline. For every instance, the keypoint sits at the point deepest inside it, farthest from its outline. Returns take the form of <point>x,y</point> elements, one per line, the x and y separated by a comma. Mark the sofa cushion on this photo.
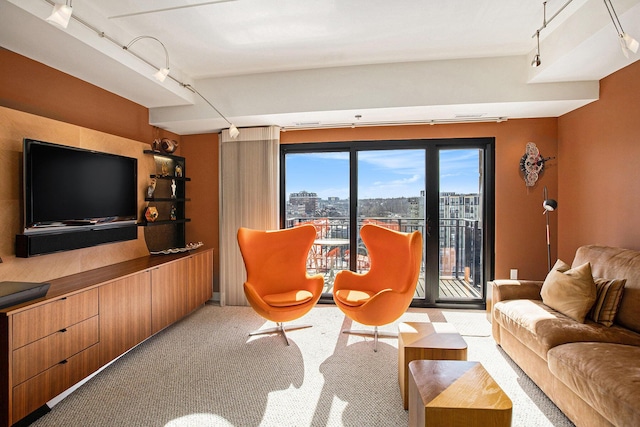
<point>571,292</point>
<point>594,372</point>
<point>561,266</point>
<point>541,328</point>
<point>609,294</point>
<point>617,263</point>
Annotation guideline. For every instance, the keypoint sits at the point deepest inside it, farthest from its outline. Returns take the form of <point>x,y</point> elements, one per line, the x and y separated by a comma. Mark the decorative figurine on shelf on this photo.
<point>151,214</point>
<point>178,171</point>
<point>151,188</point>
<point>173,188</point>
<point>168,145</point>
<point>155,145</point>
<point>173,214</point>
<point>164,168</point>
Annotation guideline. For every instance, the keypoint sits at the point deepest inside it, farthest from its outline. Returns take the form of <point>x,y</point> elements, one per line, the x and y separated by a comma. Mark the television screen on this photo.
<point>72,186</point>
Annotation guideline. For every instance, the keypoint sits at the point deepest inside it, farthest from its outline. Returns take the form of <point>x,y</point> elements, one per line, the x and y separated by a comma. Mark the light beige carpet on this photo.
<point>206,371</point>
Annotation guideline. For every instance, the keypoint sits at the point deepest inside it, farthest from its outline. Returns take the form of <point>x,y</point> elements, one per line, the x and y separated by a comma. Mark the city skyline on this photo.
<point>382,173</point>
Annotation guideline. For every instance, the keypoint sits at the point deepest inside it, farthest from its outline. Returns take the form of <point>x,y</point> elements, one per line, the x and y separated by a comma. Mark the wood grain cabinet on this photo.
<point>125,315</point>
<point>54,345</point>
<point>200,276</point>
<point>179,287</point>
<point>168,294</point>
<point>89,319</point>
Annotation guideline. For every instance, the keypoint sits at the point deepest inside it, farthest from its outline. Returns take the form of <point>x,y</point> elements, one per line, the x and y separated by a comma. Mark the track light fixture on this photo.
<point>233,130</point>
<point>162,73</point>
<point>536,59</point>
<point>61,14</point>
<point>627,43</point>
<point>65,11</point>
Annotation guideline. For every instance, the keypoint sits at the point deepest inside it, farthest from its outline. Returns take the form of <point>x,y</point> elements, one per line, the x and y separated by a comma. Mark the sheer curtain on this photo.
<point>249,195</point>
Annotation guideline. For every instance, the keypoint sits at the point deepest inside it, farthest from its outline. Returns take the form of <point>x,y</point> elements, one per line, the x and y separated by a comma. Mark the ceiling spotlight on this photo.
<point>162,73</point>
<point>535,62</point>
<point>627,43</point>
<point>61,14</point>
<point>233,132</point>
<point>536,59</point>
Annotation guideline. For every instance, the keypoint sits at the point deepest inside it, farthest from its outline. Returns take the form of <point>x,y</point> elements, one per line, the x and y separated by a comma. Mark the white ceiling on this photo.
<point>314,63</point>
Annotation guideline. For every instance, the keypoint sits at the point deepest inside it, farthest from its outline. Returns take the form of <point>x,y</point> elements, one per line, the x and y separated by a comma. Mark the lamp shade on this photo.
<point>233,132</point>
<point>550,205</point>
<point>535,62</point>
<point>61,15</point>
<point>161,74</point>
<point>628,43</point>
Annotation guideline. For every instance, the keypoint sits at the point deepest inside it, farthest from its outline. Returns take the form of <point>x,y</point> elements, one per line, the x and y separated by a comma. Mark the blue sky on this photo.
<point>382,173</point>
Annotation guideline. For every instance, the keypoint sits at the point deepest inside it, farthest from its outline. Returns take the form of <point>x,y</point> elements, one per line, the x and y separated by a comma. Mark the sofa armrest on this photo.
<point>515,289</point>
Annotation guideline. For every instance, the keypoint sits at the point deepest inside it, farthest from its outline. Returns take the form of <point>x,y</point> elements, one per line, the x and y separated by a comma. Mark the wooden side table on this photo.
<point>445,393</point>
<point>420,340</point>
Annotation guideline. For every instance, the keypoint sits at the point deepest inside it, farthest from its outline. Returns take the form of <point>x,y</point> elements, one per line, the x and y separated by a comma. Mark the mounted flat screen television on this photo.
<point>73,187</point>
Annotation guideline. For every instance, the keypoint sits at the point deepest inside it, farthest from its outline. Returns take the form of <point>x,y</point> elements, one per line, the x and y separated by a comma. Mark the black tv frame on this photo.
<point>76,234</point>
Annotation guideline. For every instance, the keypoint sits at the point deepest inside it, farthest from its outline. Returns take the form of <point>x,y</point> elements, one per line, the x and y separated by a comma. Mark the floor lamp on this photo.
<point>549,205</point>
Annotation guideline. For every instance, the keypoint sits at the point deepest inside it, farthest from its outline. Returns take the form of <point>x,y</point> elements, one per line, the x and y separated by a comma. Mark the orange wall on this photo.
<point>594,177</point>
<point>599,176</point>
<point>43,103</point>
<point>201,152</point>
<point>519,223</point>
<point>30,86</point>
<point>15,126</point>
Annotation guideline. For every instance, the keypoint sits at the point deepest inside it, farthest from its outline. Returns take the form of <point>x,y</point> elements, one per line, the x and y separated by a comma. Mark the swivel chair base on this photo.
<point>375,334</point>
<point>279,329</point>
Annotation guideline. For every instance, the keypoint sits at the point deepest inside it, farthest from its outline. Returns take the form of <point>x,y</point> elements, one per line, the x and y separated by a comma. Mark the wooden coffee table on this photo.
<point>421,340</point>
<point>455,393</point>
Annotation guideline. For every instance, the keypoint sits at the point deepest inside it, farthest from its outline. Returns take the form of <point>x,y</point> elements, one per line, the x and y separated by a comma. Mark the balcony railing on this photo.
<point>460,251</point>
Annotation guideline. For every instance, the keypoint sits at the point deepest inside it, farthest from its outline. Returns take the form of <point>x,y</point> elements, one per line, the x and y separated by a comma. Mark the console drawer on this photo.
<point>31,359</point>
<point>38,322</point>
<point>35,392</point>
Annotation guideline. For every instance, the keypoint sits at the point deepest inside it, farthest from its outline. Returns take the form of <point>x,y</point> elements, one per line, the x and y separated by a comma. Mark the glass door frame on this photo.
<point>432,267</point>
<point>432,173</point>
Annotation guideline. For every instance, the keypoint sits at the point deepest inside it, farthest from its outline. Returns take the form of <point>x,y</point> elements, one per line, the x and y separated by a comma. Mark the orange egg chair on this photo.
<point>278,286</point>
<point>381,295</point>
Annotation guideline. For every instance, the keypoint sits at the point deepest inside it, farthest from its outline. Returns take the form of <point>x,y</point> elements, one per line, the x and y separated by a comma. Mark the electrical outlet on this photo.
<point>514,274</point>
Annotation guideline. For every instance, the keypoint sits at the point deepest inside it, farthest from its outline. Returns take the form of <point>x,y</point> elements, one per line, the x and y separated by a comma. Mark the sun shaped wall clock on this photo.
<point>532,164</point>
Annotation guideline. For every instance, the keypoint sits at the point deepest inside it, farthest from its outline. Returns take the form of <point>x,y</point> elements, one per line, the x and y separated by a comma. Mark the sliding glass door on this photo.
<point>460,223</point>
<point>441,188</point>
<point>390,193</point>
<point>317,192</point>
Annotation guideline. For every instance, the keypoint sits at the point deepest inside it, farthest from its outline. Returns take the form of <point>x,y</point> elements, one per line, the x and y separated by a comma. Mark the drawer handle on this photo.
<point>64,362</point>
<point>63,330</point>
<point>62,299</point>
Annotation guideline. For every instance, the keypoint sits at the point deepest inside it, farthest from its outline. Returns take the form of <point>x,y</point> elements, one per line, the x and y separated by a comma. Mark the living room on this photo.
<point>592,174</point>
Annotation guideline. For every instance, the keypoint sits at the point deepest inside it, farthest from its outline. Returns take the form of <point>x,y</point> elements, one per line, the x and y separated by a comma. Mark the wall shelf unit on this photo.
<point>165,222</point>
<point>169,199</point>
<point>164,199</point>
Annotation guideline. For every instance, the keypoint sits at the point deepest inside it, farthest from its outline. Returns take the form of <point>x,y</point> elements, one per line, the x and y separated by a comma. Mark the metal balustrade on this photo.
<point>460,251</point>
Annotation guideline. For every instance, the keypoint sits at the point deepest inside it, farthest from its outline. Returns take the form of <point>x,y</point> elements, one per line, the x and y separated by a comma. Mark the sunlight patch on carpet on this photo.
<point>199,420</point>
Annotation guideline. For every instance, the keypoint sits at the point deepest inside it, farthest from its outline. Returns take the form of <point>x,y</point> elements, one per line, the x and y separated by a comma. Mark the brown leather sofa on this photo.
<point>589,370</point>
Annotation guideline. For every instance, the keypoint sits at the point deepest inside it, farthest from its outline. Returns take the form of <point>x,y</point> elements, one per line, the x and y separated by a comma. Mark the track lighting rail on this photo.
<point>546,22</point>
<point>161,73</point>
